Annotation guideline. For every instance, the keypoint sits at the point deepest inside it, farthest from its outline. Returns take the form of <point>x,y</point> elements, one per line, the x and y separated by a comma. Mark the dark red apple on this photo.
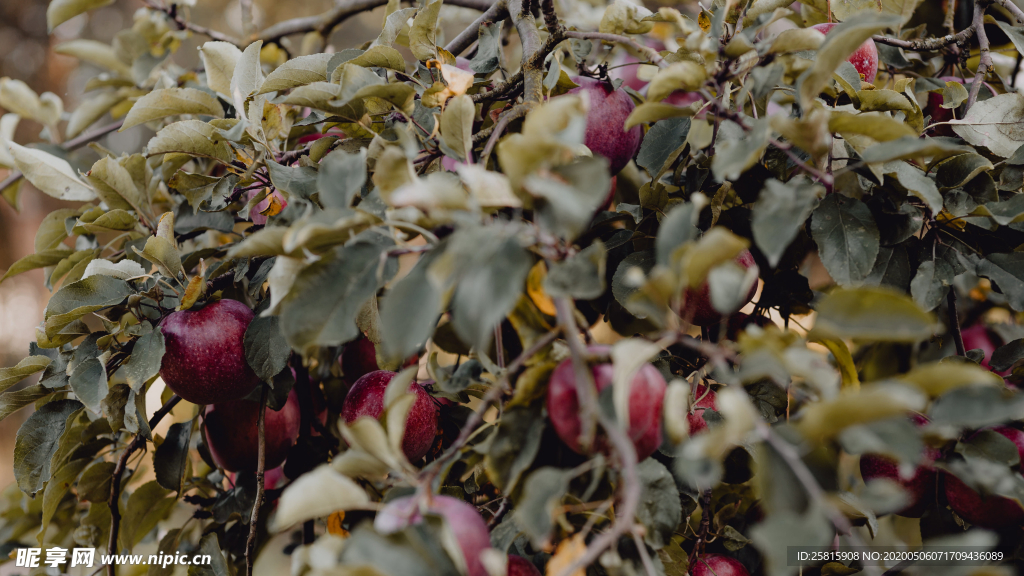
<point>204,359</point>
<point>697,305</point>
<point>717,565</point>
<point>358,357</point>
<point>463,520</point>
<point>920,486</point>
<point>864,59</point>
<point>980,337</point>
<point>366,398</point>
<point>705,399</point>
<point>605,135</point>
<point>647,391</point>
<point>232,434</point>
<point>991,512</point>
<point>519,566</point>
<point>939,114</point>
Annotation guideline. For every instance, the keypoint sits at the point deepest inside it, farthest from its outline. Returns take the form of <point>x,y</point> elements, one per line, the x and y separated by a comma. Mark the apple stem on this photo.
<point>261,464</point>
<point>115,479</point>
<point>954,322</point>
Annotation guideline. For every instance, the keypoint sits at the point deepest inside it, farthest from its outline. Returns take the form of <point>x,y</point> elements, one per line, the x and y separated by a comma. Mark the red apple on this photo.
<point>705,399</point>
<point>605,135</point>
<point>366,398</point>
<point>519,566</point>
<point>647,391</point>
<point>272,478</point>
<point>920,486</point>
<point>864,59</point>
<point>697,304</point>
<point>463,520</point>
<point>358,357</point>
<point>991,512</point>
<point>717,565</point>
<point>232,433</point>
<point>204,359</point>
<point>980,337</point>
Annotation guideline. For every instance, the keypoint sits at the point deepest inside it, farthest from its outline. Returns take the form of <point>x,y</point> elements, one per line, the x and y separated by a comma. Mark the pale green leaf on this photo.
<point>166,102</point>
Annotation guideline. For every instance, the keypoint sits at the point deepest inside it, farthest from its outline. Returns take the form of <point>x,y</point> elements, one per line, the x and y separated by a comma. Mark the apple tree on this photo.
<point>582,289</point>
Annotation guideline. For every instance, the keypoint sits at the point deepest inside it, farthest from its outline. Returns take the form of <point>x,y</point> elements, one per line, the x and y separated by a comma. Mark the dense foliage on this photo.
<point>547,232</point>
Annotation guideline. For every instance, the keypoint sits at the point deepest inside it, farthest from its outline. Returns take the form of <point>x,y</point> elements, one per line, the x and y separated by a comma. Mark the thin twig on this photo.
<point>928,44</point>
<point>985,62</point>
<point>1013,9</point>
<point>954,322</point>
<point>496,13</point>
<point>73,144</point>
<point>115,478</point>
<point>947,22</point>
<point>261,463</point>
<point>171,11</point>
<point>496,131</point>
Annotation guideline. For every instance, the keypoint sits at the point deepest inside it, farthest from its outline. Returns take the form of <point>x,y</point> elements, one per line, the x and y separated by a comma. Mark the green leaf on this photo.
<point>739,150</point>
<point>660,509</point>
<point>25,368</point>
<point>931,283</point>
<point>164,255</point>
<point>536,509</point>
<point>209,546</point>
<point>975,407</point>
<point>996,124</point>
<point>38,260</point>
<point>55,491</point>
<point>297,181</point>
<point>50,174</point>
<point>94,485</point>
<point>247,76</point>
<point>341,176</point>
<point>677,228</point>
<point>874,314</point>
<point>780,213</point>
<point>170,460</point>
<point>840,43</point>
<point>660,142</point>
<point>94,52</point>
<point>113,221</point>
<point>89,382</point>
<point>566,202</point>
<point>410,309</point>
<point>115,185</point>
<point>14,400</point>
<point>149,504</point>
<point>515,445</point>
<point>193,137</point>
<point>316,494</point>
<point>77,299</point>
<point>956,171</point>
<point>910,147</point>
<point>418,550</point>
<point>1006,270</point>
<point>489,289</point>
<point>321,307</point>
<point>145,360</point>
<point>266,349</point>
<point>37,441</point>
<point>60,11</point>
<point>90,110</point>
<point>488,49</point>
<point>380,57</point>
<point>847,238</point>
<point>422,34</point>
<point>166,102</point>
<point>917,183</point>
<point>219,59</point>
<point>580,276</point>
<point>457,125</point>
<point>297,72</point>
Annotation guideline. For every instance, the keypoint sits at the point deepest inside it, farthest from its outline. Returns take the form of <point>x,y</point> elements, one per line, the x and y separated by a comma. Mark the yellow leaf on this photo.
<point>535,288</point>
<point>334,524</point>
<point>566,554</point>
<point>843,360</point>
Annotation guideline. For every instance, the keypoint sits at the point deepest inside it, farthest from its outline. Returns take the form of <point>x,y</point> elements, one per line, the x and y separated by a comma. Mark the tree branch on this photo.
<point>928,44</point>
<point>954,322</point>
<point>985,62</point>
<point>115,479</point>
<point>496,13</point>
<point>533,50</point>
<point>73,144</point>
<point>1013,9</point>
<point>261,464</point>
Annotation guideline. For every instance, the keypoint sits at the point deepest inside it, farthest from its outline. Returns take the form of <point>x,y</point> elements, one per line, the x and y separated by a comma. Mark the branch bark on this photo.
<point>496,13</point>
<point>115,479</point>
<point>261,464</point>
<point>985,61</point>
<point>928,44</point>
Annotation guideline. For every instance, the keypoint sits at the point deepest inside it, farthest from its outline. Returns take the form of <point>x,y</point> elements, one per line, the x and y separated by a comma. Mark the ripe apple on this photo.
<point>647,391</point>
<point>232,433</point>
<point>605,135</point>
<point>864,59</point>
<point>991,512</point>
<point>463,520</point>
<point>697,304</point>
<point>717,565</point>
<point>358,357</point>
<point>204,359</point>
<point>519,566</point>
<point>366,398</point>
<point>705,399</point>
<point>980,337</point>
<point>920,486</point>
